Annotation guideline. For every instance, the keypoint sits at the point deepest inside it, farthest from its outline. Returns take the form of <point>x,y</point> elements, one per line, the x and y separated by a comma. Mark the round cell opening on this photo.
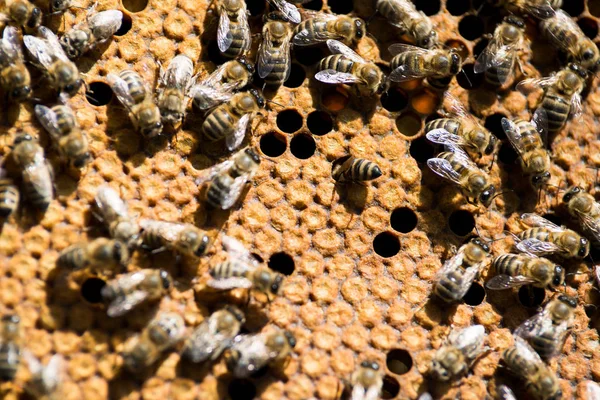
<point>594,8</point>
<point>461,222</point>
<point>308,55</point>
<point>531,297</point>
<point>493,123</point>
<point>126,24</point>
<point>429,7</point>
<point>341,6</point>
<point>507,154</point>
<point>555,219</point>
<point>255,7</point>
<point>135,5</point>
<point>421,149</point>
<point>589,26</point>
<point>98,94</point>
<point>457,7</point>
<point>334,99</point>
<point>390,388</point>
<point>303,146</point>
<point>214,54</point>
<point>91,290</point>
<point>574,7</point>
<point>409,124</point>
<point>386,244</point>
<point>425,102</point>
<point>468,79</point>
<point>399,361</point>
<point>394,100</point>
<point>475,295</point>
<point>273,144</point>
<point>297,76</point>
<point>282,263</point>
<point>480,47</point>
<point>289,121</point>
<point>241,389</point>
<point>471,27</point>
<point>403,220</point>
<point>319,123</point>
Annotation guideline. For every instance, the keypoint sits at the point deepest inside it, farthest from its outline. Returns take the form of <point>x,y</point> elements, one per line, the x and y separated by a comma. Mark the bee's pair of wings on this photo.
<point>306,37</point>
<point>537,247</point>
<point>236,251</point>
<point>224,35</point>
<point>169,231</point>
<point>540,9</point>
<point>121,89</point>
<point>37,173</point>
<point>45,49</point>
<point>502,281</point>
<point>591,224</point>
<point>10,46</point>
<point>514,134</point>
<point>268,55</point>
<point>49,120</point>
<point>406,72</point>
<point>496,54</point>
<point>468,340</point>
<point>207,341</point>
<point>469,274</point>
<point>121,306</point>
<point>51,374</point>
<point>525,351</point>
<point>333,76</point>
<point>568,24</point>
<point>110,204</point>
<point>179,74</point>
<point>105,24</point>
<point>254,353</point>
<point>453,144</point>
<point>541,325</point>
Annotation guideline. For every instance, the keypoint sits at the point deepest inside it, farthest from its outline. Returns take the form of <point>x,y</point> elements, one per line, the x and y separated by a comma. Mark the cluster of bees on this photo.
<point>229,104</point>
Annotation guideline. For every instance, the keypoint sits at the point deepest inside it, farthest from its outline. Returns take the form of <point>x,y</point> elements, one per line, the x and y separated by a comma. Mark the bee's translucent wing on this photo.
<point>597,274</point>
<point>38,174</point>
<point>568,24</point>
<point>236,249</point>
<point>540,122</point>
<point>506,393</point>
<point>592,225</point>
<point>444,169</point>
<point>121,307</point>
<point>501,282</point>
<point>54,45</point>
<point>224,35</point>
<point>535,325</point>
<point>39,50</point>
<point>214,171</point>
<point>121,90</point>
<point>442,136</point>
<point>10,46</point>
<point>540,10</point>
<point>452,264</point>
<point>535,220</point>
<point>525,351</point>
<point>456,108</point>
<point>337,47</point>
<point>289,11</point>
<point>306,37</point>
<point>513,133</point>
<point>48,119</point>
<point>398,48</point>
<point>230,283</point>
<point>333,76</point>
<point>372,393</point>
<point>267,58</point>
<point>109,202</point>
<point>405,73</point>
<point>35,366</point>
<point>168,230</point>
<point>234,140</point>
<point>469,340</point>
<point>537,247</point>
<point>526,85</point>
<point>105,24</point>
<point>576,107</point>
<point>206,97</point>
<point>487,57</point>
<point>234,192</point>
<point>179,73</point>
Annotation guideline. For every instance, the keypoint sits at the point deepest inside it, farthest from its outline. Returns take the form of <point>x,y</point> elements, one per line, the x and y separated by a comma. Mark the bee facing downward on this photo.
<point>174,87</point>
<point>233,32</point>
<point>274,62</point>
<point>367,381</point>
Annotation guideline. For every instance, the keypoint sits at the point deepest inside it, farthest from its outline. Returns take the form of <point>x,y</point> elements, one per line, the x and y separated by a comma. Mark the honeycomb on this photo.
<point>360,260</point>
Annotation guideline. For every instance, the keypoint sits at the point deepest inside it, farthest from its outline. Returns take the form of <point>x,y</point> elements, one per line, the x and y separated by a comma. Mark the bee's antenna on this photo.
<point>466,77</point>
<point>274,102</point>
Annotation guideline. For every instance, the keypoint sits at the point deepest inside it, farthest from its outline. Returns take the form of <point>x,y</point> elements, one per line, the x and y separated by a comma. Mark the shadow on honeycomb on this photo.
<point>359,263</point>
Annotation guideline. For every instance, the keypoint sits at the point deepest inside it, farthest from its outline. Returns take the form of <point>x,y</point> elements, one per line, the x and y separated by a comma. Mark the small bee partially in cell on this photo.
<point>127,291</point>
<point>250,353</point>
<point>411,62</point>
<point>547,331</point>
<point>242,270</point>
<point>10,347</point>
<point>9,193</point>
<point>46,379</point>
<point>99,253</point>
<point>515,270</point>
<point>348,169</point>
<point>134,94</point>
<point>347,67</point>
<point>181,238</point>
<point>222,83</point>
<point>229,178</point>
<point>174,90</point>
<point>98,28</point>
<point>541,9</point>
<point>586,209</point>
<point>454,359</point>
<point>411,22</point>
<point>233,32</point>
<point>274,58</point>
<point>213,335</point>
<point>22,12</point>
<point>37,186</point>
<point>113,212</point>
<point>320,27</point>
<point>48,55</point>
<point>162,333</point>
<point>546,238</point>
<point>14,75</point>
<point>367,381</point>
<point>60,122</point>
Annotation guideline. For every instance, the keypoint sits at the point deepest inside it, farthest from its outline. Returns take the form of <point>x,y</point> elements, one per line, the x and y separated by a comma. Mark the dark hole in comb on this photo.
<point>475,295</point>
<point>457,7</point>
<point>386,244</point>
<point>574,7</point>
<point>589,26</point>
<point>91,290</point>
<point>468,79</point>
<point>126,24</point>
<point>282,263</point>
<point>308,55</point>
<point>390,388</point>
<point>421,149</point>
<point>135,5</point>
<point>319,123</point>
<point>99,94</point>
<point>394,100</point>
<point>313,5</point>
<point>241,389</point>
<point>273,144</point>
<point>297,76</point>
<point>303,146</point>
<point>531,297</point>
<point>403,220</point>
<point>493,123</point>
<point>461,222</point>
<point>399,361</point>
<point>429,7</point>
<point>471,27</point>
<point>289,121</point>
<point>256,7</point>
<point>507,154</point>
<point>341,6</point>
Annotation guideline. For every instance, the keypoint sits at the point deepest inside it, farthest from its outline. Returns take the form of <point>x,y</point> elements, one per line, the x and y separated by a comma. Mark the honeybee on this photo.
<point>564,33</point>
<point>274,59</point>
<point>562,96</point>
<point>500,55</point>
<point>214,335</point>
<point>350,169</point>
<point>242,270</point>
<point>466,131</point>
<point>10,350</point>
<point>14,76</point>
<point>129,290</point>
<point>458,273</point>
<point>233,33</point>
<point>584,207</point>
<point>250,353</point>
<point>222,83</point>
<point>526,139</point>
<point>133,93</point>
<point>345,66</point>
<point>228,179</point>
<point>178,237</point>
<point>403,14</point>
<point>323,26</point>
<point>37,186</point>
<point>411,62</point>
<point>45,380</point>
<point>98,28</point>
<point>547,330</point>
<point>367,381</point>
<point>230,120</point>
<point>516,270</point>
<point>288,11</point>
<point>23,13</point>
<point>173,95</point>
<point>50,57</point>
<point>545,238</point>
<point>9,194</point>
<point>454,358</point>
<point>525,363</point>
<point>100,252</point>
<point>113,212</point>
<point>59,6</point>
<point>162,333</point>
<point>60,122</point>
<point>456,166</point>
<point>541,9</point>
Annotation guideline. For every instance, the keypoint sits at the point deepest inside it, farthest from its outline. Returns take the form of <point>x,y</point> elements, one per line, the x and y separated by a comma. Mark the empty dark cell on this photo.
<point>319,123</point>
<point>91,290</point>
<point>273,144</point>
<point>553,218</point>
<point>421,149</point>
<point>289,121</point>
<point>574,7</point>
<point>475,295</point>
<point>409,124</point>
<point>297,76</point>
<point>313,5</point>
<point>308,55</point>
<point>429,7</point>
<point>399,361</point>
<point>241,389</point>
<point>135,5</point>
<point>531,297</point>
<point>594,8</point>
<point>394,100</point>
<point>403,220</point>
<point>493,123</point>
<point>471,27</point>
<point>341,6</point>
<point>589,26</point>
<point>303,146</point>
<point>214,54</point>
<point>126,24</point>
<point>479,47</point>
<point>468,79</point>
<point>590,310</point>
<point>99,94</point>
<point>457,7</point>
<point>282,262</point>
<point>461,222</point>
<point>256,7</point>
<point>390,388</point>
<point>386,244</point>
<point>507,154</point>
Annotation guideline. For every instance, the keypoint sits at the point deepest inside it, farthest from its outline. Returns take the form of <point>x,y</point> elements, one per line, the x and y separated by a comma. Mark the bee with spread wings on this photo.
<point>45,380</point>
<point>289,11</point>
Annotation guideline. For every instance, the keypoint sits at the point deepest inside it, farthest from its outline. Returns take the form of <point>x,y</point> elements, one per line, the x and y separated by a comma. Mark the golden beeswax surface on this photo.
<point>361,259</point>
